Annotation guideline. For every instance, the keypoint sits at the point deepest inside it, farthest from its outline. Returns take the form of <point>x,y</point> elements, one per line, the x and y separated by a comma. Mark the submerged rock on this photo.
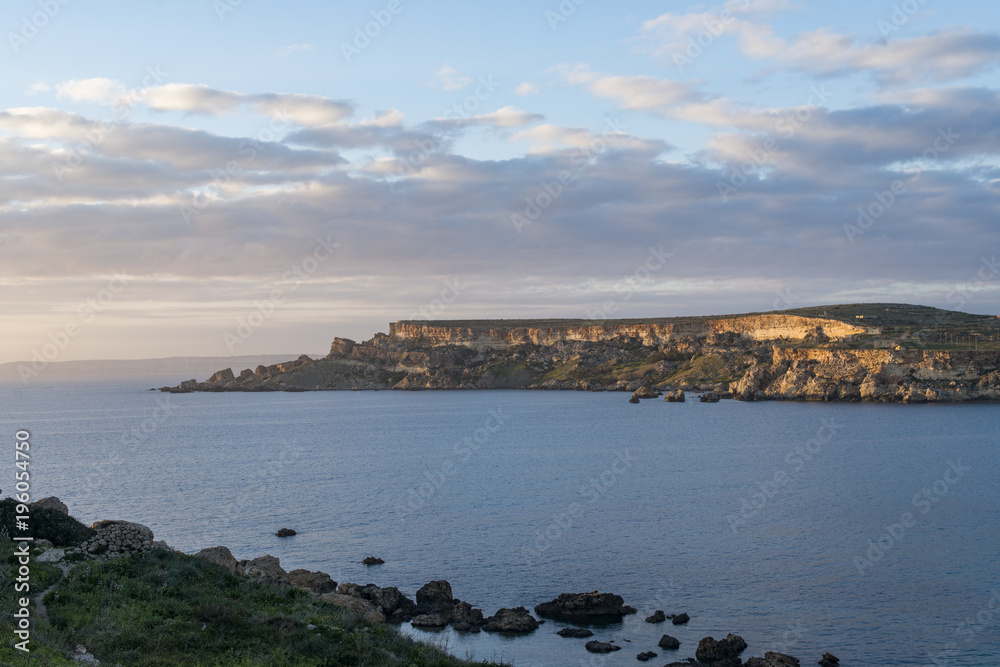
<point>711,650</point>
<point>829,660</point>
<point>657,617</point>
<point>577,633</point>
<point>668,642</point>
<point>645,657</point>
<point>285,532</point>
<point>372,560</point>
<point>601,647</point>
<point>511,620</point>
<point>576,605</point>
<point>679,619</point>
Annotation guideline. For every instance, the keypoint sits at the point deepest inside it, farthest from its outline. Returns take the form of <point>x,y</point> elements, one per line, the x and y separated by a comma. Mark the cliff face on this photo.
<point>757,327</point>
<point>757,357</point>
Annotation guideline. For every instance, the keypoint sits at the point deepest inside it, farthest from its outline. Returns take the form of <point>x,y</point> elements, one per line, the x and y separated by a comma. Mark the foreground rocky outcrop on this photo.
<point>770,356</point>
<point>585,605</point>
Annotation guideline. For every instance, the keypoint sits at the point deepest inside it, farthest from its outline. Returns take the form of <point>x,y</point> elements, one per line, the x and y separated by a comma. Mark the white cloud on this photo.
<point>448,78</point>
<point>98,90</point>
<point>36,88</point>
<point>527,88</point>
<point>286,51</point>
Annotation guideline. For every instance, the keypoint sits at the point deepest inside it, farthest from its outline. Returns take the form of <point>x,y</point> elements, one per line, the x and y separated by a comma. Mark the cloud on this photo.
<point>91,90</point>
<point>286,51</point>
<point>448,78</point>
<point>527,88</point>
<point>36,88</point>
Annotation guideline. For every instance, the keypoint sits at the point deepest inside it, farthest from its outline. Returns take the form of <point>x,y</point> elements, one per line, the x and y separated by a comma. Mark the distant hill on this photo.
<point>166,369</point>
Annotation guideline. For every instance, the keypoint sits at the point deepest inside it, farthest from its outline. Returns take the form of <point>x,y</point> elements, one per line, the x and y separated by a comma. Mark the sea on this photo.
<point>871,532</point>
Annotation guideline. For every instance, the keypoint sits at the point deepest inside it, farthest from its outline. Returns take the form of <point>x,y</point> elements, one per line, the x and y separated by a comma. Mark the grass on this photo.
<point>163,608</point>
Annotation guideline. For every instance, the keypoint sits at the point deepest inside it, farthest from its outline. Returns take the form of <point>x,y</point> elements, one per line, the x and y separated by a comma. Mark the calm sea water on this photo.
<point>515,497</point>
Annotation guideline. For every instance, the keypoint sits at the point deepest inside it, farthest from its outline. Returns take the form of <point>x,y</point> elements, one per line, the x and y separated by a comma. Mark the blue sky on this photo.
<point>482,160</point>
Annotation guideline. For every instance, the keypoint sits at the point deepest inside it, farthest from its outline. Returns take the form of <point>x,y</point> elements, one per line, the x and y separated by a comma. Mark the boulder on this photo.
<point>51,503</point>
<point>634,399</point>
<point>222,377</point>
<point>316,583</point>
<point>220,556</point>
<point>780,659</point>
<point>645,657</point>
<point>657,617</point>
<point>50,556</point>
<point>595,646</point>
<point>709,397</point>
<point>511,620</point>
<point>285,532</point>
<point>674,396</point>
<point>387,599</point>
<point>429,621</point>
<point>668,642</point>
<point>435,594</point>
<point>576,633</point>
<point>245,375</point>
<point>265,568</point>
<point>372,560</point>
<point>829,660</point>
<point>362,608</point>
<point>645,391</point>
<point>679,619</point>
<point>711,650</point>
<point>577,605</point>
<point>464,617</point>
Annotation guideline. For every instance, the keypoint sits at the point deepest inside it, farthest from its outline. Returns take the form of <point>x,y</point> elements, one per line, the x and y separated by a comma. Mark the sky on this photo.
<point>216,177</point>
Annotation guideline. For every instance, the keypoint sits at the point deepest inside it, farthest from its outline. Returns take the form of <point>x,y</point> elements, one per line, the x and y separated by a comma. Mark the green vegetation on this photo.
<point>164,608</point>
<point>54,526</point>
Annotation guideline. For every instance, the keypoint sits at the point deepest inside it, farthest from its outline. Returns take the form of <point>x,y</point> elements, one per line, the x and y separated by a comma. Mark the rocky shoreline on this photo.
<point>434,608</point>
<point>749,358</point>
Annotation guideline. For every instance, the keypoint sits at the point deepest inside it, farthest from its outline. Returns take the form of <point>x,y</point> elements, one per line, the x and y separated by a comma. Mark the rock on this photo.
<point>50,556</point>
<point>387,599</point>
<point>220,556</point>
<point>435,594</point>
<point>371,560</point>
<point>511,620</point>
<point>117,538</point>
<point>657,617</point>
<point>709,397</point>
<point>711,650</point>
<point>362,608</point>
<point>634,399</point>
<point>645,657</point>
<point>576,605</point>
<point>780,659</point>
<point>222,377</point>
<point>668,642</point>
<point>464,617</point>
<point>674,396</point>
<point>51,503</point>
<point>285,532</point>
<point>316,583</point>
<point>81,656</point>
<point>429,621</point>
<point>829,660</point>
<point>265,568</point>
<point>680,619</point>
<point>645,391</point>
<point>595,646</point>
<point>577,633</point>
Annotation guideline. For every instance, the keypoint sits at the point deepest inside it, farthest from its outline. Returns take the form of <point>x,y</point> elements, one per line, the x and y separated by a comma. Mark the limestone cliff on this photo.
<point>912,356</point>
